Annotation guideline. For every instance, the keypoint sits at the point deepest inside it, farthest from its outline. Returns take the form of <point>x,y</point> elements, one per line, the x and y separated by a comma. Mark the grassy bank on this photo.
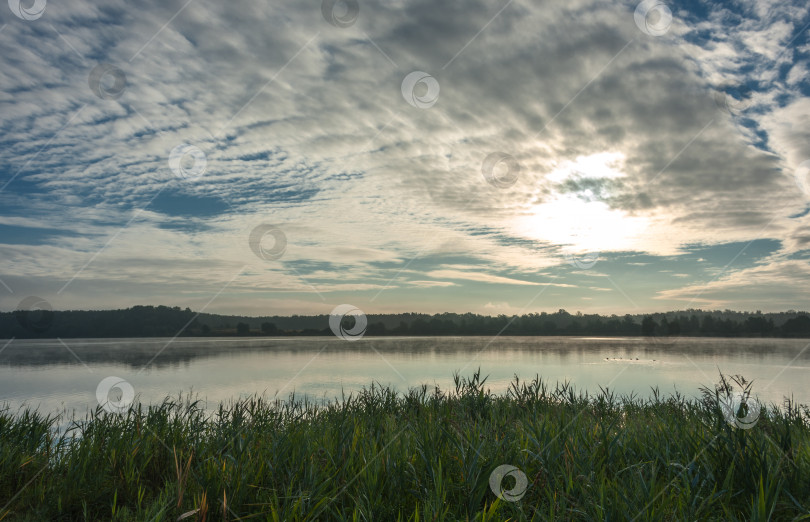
<point>424,455</point>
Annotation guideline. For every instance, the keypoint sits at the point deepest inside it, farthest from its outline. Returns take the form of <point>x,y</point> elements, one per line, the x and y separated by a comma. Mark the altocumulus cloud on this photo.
<point>626,142</point>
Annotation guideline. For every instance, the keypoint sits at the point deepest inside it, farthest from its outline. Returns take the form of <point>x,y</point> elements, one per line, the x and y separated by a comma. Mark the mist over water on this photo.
<point>52,377</point>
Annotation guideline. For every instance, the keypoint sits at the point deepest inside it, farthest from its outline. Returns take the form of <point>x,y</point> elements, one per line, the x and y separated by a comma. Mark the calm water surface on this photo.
<point>54,377</point>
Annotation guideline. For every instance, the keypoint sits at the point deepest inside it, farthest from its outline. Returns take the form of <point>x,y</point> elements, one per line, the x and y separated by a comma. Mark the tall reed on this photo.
<point>427,454</point>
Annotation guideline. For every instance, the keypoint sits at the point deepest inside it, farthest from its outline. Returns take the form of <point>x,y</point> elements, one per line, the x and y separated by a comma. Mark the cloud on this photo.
<point>432,284</point>
<point>487,278</point>
<point>621,144</point>
<point>771,286</point>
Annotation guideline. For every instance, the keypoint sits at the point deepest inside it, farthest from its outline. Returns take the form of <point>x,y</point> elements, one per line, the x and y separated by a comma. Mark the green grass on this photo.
<point>424,455</point>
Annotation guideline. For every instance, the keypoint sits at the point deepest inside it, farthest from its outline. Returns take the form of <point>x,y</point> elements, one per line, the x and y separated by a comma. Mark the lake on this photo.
<point>55,376</point>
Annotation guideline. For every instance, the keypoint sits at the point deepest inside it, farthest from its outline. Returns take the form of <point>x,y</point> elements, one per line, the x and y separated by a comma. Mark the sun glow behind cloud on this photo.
<point>602,165</point>
<point>577,220</point>
<point>582,226</point>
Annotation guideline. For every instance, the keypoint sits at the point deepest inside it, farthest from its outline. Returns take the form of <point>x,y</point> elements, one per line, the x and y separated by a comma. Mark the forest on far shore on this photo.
<point>164,321</point>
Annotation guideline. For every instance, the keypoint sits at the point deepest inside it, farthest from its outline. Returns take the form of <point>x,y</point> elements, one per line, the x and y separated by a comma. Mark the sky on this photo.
<point>496,157</point>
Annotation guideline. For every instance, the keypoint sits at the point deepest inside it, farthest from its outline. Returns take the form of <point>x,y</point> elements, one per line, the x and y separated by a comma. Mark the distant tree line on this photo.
<point>163,321</point>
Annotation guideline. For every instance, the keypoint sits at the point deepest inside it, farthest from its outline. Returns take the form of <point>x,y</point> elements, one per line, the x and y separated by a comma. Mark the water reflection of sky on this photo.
<point>53,377</point>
